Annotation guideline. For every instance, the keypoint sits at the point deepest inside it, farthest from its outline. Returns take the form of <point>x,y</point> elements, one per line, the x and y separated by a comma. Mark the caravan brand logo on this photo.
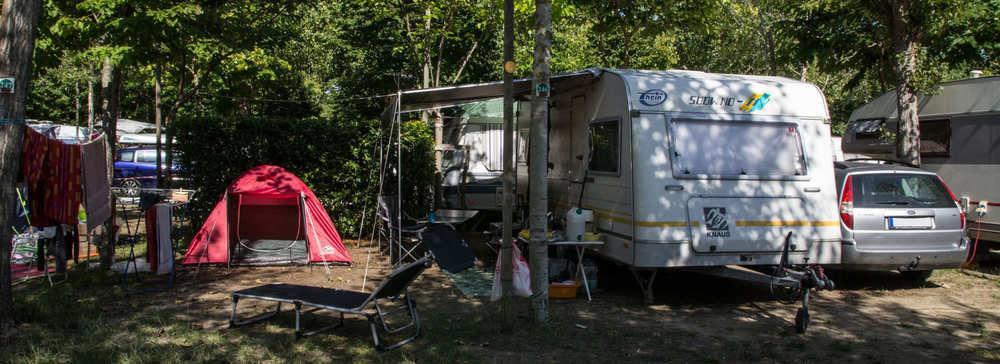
<point>652,97</point>
<point>716,222</point>
<point>755,102</point>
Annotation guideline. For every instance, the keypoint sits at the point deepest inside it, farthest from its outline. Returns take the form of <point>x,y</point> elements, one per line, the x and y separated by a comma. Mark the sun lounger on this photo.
<point>369,305</point>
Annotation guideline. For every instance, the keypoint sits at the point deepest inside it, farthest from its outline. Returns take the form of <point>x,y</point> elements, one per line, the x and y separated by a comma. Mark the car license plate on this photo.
<point>910,223</point>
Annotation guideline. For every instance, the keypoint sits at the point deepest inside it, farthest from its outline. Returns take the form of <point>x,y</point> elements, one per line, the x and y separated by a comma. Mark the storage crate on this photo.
<point>563,290</point>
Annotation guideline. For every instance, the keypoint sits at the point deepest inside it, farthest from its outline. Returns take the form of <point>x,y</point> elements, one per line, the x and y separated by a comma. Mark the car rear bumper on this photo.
<point>853,258</point>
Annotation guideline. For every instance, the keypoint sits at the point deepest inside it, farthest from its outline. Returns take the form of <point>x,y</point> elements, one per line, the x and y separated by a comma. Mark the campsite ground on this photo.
<point>954,317</point>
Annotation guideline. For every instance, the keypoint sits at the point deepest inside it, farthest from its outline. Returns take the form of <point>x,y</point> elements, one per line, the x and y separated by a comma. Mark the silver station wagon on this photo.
<point>897,217</point>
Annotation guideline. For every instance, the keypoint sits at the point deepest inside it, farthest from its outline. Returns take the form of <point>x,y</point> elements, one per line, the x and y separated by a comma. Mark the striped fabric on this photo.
<point>51,170</point>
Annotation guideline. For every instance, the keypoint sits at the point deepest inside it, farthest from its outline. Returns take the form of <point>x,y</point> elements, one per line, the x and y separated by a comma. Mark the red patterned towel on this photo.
<point>51,170</point>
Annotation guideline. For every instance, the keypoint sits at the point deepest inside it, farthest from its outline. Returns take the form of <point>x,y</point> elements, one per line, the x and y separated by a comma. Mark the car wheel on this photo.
<point>916,276</point>
<point>131,187</point>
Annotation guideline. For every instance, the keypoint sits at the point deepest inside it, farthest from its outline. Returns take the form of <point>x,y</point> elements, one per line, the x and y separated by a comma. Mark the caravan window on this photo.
<point>604,146</point>
<point>736,149</point>
<point>935,138</point>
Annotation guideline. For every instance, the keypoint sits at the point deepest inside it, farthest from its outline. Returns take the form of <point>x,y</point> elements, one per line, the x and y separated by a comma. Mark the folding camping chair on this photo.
<point>393,289</point>
<point>401,237</point>
<point>25,251</point>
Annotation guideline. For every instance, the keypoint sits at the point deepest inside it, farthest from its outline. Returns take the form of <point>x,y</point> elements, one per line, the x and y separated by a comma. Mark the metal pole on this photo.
<point>506,258</point>
<point>399,177</point>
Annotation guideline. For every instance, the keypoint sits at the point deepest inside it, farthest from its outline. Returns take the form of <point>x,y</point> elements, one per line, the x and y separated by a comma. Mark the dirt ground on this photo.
<point>871,317</point>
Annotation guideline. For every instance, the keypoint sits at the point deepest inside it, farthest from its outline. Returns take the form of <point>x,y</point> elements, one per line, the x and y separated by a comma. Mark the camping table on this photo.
<point>581,247</point>
<point>452,217</point>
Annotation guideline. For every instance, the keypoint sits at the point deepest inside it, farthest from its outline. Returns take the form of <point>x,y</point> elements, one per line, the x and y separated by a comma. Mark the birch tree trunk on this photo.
<point>18,24</point>
<point>905,40</point>
<point>110,81</point>
<point>158,110</point>
<point>538,167</point>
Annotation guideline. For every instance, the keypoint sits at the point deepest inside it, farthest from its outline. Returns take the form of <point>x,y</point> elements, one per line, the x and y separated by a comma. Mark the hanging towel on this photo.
<point>33,153</point>
<point>64,189</point>
<point>51,171</point>
<point>159,246</point>
<point>96,188</point>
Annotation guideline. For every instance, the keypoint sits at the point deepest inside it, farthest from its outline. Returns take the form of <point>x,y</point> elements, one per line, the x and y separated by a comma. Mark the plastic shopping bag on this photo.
<point>521,277</point>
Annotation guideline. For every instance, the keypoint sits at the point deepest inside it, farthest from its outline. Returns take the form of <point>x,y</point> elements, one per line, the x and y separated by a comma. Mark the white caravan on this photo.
<point>959,140</point>
<point>683,168</point>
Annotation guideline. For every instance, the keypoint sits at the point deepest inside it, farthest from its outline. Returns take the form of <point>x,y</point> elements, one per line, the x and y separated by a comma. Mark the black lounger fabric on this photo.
<point>450,251</point>
<point>313,296</point>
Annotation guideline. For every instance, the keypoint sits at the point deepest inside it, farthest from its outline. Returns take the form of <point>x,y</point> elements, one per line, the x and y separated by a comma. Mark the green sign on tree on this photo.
<point>6,85</point>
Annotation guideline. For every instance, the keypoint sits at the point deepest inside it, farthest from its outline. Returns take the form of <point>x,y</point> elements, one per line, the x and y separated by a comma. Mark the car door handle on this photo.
<point>811,189</point>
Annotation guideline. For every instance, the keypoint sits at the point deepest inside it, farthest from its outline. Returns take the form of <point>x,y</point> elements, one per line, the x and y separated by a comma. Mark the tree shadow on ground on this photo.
<point>695,318</point>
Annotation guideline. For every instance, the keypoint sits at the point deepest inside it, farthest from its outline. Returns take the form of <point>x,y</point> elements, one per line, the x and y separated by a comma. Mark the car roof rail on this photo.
<point>883,161</point>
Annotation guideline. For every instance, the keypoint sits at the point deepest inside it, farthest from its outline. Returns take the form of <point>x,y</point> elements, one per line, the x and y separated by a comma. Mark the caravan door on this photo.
<point>743,177</point>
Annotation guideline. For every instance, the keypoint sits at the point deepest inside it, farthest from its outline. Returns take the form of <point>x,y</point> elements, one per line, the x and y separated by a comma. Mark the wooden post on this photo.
<point>506,258</point>
<point>18,25</point>
<point>538,167</point>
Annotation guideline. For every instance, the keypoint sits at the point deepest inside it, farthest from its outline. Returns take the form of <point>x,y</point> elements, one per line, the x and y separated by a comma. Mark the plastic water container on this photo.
<point>576,223</point>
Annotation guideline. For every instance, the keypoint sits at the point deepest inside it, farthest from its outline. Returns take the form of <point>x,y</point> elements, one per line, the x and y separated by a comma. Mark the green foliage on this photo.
<point>337,159</point>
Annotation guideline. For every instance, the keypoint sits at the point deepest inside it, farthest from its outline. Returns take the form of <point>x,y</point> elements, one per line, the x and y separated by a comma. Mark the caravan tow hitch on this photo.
<point>798,281</point>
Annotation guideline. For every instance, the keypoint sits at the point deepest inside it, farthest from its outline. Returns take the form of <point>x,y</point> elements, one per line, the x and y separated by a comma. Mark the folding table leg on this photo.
<point>579,266</point>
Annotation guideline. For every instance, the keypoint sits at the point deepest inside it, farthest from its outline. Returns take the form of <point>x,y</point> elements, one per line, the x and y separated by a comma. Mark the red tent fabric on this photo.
<point>270,203</point>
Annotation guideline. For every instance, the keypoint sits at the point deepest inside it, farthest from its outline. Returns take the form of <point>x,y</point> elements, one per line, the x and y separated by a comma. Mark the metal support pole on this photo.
<point>506,259</point>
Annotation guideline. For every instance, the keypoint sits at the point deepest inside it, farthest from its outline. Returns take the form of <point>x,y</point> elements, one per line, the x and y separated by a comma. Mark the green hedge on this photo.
<point>337,159</point>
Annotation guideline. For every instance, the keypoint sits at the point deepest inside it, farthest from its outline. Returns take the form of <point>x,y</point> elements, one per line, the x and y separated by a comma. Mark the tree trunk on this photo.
<point>90,106</point>
<point>18,24</point>
<point>905,38</point>
<point>506,257</point>
<point>158,110</point>
<point>538,166</point>
<point>110,81</point>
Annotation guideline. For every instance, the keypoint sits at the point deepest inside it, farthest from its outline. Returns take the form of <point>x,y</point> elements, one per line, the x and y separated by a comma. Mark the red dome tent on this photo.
<point>267,212</point>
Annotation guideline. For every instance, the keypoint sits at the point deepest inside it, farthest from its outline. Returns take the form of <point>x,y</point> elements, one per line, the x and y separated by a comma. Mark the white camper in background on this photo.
<point>472,163</point>
<point>959,140</point>
<point>683,169</point>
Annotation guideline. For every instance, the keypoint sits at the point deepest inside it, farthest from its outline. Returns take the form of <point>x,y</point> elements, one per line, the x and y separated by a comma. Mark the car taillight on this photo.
<point>847,203</point>
<point>961,213</point>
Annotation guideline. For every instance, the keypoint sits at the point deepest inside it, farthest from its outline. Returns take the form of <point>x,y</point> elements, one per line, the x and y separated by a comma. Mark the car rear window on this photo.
<point>900,190</point>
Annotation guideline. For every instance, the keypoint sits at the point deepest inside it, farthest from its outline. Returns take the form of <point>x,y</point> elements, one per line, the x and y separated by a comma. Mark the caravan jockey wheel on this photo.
<point>802,320</point>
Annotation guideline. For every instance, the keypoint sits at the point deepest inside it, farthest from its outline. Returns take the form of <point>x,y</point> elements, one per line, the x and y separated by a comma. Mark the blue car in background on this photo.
<point>135,169</point>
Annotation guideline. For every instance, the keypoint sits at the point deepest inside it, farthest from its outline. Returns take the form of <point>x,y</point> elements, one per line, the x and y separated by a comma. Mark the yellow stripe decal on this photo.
<point>779,223</point>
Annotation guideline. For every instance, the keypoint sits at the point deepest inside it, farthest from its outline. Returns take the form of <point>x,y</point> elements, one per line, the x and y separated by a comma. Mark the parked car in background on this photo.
<point>135,169</point>
<point>898,217</point>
